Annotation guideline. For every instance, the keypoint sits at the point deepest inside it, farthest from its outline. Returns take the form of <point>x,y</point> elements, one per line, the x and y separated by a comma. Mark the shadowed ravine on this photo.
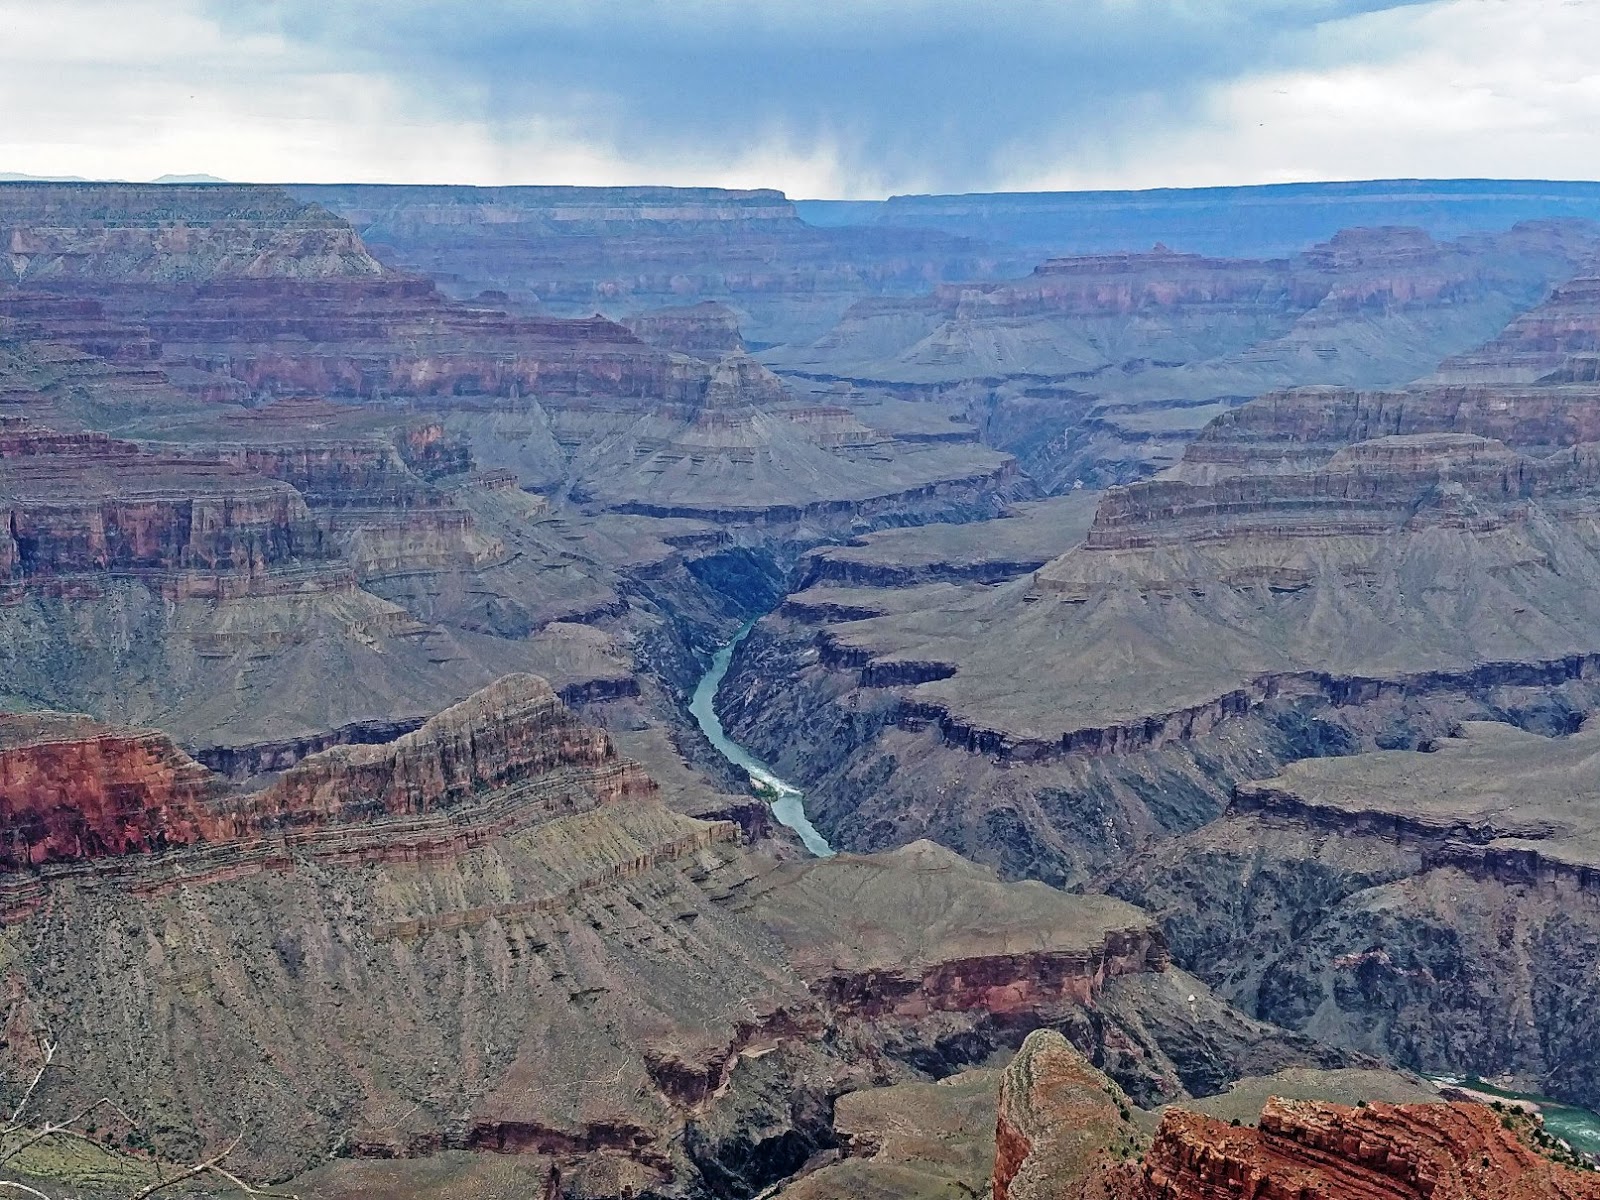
<point>788,804</point>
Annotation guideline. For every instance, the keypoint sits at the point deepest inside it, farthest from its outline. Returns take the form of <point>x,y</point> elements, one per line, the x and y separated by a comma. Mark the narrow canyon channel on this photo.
<point>788,802</point>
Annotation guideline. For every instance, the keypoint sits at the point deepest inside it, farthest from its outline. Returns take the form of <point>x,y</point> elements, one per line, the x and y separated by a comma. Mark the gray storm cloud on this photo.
<point>911,92</point>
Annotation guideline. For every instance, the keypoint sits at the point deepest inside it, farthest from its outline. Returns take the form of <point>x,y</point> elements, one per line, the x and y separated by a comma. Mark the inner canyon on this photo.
<point>685,694</point>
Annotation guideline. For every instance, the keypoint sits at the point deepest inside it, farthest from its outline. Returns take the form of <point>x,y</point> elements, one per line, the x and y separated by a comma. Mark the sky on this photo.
<point>821,98</point>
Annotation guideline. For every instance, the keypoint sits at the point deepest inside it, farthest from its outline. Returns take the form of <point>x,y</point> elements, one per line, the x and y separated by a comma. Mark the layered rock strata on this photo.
<point>1435,908</point>
<point>1100,368</point>
<point>1060,1123</point>
<point>1301,1148</point>
<point>707,330</point>
<point>349,941</point>
<point>627,250</point>
<point>77,791</point>
<point>89,505</point>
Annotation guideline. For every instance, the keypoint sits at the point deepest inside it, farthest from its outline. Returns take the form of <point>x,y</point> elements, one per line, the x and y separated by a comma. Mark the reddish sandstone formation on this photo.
<point>1059,1121</point>
<point>73,789</point>
<point>85,503</point>
<point>1310,1150</point>
<point>514,733</point>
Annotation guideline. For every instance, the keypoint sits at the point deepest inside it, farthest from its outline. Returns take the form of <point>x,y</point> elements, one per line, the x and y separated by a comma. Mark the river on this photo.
<point>1578,1127</point>
<point>788,801</point>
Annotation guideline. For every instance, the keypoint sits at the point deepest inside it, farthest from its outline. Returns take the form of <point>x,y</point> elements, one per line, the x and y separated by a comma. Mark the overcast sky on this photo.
<point>822,98</point>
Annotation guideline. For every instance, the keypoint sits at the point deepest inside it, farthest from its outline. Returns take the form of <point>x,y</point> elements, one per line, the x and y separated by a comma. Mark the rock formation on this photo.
<point>327,864</point>
<point>344,942</point>
<point>1447,1151</point>
<point>1060,1124</point>
<point>706,330</point>
<point>76,791</point>
<point>1436,908</point>
<point>89,505</point>
<point>1262,220</point>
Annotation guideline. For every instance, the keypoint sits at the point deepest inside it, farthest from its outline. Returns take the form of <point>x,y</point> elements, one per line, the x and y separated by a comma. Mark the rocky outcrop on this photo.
<point>515,732</point>
<point>85,504</point>
<point>1051,955</point>
<point>1431,907</point>
<point>1303,1148</point>
<point>1060,1122</point>
<point>1539,342</point>
<point>76,791</point>
<point>706,330</point>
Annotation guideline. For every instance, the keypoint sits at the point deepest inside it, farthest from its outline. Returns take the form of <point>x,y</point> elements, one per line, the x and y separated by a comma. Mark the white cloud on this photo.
<point>138,88</point>
<point>141,88</point>
<point>1492,88</point>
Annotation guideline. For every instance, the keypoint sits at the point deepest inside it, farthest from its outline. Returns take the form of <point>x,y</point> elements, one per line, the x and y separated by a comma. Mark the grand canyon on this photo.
<point>682,693</point>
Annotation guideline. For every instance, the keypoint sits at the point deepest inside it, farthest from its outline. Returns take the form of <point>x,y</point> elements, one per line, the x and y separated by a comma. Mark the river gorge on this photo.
<point>788,801</point>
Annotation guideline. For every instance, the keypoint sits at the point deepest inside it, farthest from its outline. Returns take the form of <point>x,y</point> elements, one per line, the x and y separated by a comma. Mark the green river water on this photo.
<point>788,804</point>
<point>1578,1127</point>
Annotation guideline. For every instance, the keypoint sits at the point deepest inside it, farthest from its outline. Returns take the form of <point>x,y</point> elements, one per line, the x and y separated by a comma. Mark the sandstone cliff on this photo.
<point>1061,1123</point>
<point>1447,1151</point>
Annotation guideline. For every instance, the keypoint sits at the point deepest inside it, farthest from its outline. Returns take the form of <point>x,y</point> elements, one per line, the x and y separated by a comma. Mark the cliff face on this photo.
<point>1304,1148</point>
<point>1539,342</point>
<point>240,291</point>
<point>707,330</point>
<point>1060,1122</point>
<point>60,233</point>
<point>509,734</point>
<point>1401,903</point>
<point>76,791</point>
<point>72,790</point>
<point>88,504</point>
<point>445,926</point>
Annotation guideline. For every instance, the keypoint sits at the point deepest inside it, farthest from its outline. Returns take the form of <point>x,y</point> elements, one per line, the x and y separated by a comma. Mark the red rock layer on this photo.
<point>72,790</point>
<point>1002,984</point>
<point>1311,1150</point>
<point>513,732</point>
<point>1058,1117</point>
<point>84,503</point>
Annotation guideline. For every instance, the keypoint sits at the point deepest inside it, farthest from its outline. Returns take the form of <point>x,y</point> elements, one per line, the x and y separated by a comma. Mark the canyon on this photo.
<point>336,953</point>
<point>1187,650</point>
